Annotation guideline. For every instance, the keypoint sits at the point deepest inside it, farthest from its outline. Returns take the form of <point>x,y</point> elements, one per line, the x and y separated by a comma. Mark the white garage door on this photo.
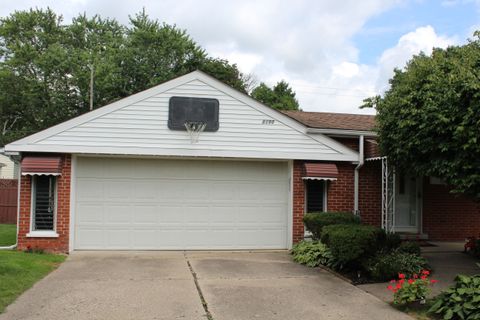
<point>180,204</point>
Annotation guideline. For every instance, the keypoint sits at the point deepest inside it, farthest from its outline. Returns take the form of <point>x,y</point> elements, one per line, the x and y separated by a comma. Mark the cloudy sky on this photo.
<point>334,53</point>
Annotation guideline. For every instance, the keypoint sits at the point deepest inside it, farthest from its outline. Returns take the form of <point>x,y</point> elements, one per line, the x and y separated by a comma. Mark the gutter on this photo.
<point>343,132</point>
<point>15,160</point>
<point>361,161</point>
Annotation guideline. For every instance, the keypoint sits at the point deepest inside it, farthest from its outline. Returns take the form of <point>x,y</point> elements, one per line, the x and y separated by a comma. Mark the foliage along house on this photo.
<point>131,176</point>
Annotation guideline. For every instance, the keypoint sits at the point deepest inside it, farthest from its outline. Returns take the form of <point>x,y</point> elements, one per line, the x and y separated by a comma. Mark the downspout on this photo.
<point>361,161</point>
<point>18,206</point>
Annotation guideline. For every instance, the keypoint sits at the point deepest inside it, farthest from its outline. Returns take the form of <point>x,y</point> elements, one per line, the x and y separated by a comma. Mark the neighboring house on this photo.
<point>8,168</point>
<point>129,176</point>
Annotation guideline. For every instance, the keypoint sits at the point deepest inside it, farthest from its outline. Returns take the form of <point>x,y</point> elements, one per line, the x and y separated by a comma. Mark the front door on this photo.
<point>407,203</point>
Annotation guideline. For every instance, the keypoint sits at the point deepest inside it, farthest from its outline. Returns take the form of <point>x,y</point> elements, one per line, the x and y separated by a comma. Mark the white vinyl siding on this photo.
<point>8,169</point>
<point>135,204</point>
<point>143,125</point>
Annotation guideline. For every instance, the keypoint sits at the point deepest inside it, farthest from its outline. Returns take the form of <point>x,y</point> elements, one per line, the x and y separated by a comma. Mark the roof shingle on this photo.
<point>328,120</point>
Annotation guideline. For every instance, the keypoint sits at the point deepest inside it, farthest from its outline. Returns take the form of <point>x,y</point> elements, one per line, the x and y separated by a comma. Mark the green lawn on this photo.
<point>8,234</point>
<point>20,270</point>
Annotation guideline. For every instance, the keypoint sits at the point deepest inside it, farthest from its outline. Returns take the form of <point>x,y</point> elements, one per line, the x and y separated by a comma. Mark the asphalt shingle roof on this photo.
<point>328,120</point>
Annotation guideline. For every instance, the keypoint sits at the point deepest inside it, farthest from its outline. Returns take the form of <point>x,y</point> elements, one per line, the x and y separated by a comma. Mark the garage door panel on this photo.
<point>89,189</point>
<point>89,213</point>
<point>145,239</point>
<point>145,215</point>
<point>118,239</point>
<point>90,238</point>
<point>180,204</point>
<point>145,190</point>
<point>117,214</point>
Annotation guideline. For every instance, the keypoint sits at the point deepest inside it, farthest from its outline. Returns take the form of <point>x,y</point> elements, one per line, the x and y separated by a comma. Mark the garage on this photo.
<point>188,164</point>
<point>151,204</point>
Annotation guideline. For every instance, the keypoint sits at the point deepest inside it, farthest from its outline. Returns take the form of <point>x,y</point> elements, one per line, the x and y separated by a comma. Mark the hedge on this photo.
<point>353,244</point>
<point>314,222</point>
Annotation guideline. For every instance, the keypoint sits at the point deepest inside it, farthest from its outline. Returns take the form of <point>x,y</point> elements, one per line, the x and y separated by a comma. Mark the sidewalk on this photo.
<point>447,260</point>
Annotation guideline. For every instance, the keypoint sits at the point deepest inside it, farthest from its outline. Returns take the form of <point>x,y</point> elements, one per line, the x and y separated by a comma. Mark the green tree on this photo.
<point>36,89</point>
<point>156,52</point>
<point>281,97</point>
<point>429,119</point>
<point>95,48</point>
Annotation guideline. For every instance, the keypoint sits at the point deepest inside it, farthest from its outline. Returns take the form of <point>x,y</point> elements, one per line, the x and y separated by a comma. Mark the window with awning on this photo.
<point>320,171</point>
<point>41,166</point>
<point>44,172</point>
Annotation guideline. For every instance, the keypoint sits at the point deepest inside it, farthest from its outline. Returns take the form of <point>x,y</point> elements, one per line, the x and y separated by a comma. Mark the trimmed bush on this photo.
<point>410,247</point>
<point>314,222</point>
<point>385,267</point>
<point>462,301</point>
<point>313,254</point>
<point>353,244</point>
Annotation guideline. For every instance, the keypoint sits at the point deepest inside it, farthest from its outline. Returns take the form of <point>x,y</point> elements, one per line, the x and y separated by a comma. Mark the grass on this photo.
<point>8,234</point>
<point>20,270</point>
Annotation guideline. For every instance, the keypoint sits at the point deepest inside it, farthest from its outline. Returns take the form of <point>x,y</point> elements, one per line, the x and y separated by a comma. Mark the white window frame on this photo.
<point>42,233</point>
<point>308,234</point>
<point>325,195</point>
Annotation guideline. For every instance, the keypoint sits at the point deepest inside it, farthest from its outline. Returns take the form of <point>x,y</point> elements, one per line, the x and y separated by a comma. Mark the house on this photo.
<point>195,164</point>
<point>8,168</point>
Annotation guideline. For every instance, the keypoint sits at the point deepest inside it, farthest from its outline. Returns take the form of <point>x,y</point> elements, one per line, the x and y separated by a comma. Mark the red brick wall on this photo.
<point>447,216</point>
<point>340,194</point>
<point>340,191</point>
<point>298,202</point>
<point>59,244</point>
<point>370,193</point>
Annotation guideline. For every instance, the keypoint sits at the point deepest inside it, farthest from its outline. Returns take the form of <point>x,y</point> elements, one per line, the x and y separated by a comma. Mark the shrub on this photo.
<point>313,254</point>
<point>314,222</point>
<point>392,242</point>
<point>410,247</point>
<point>410,289</point>
<point>387,266</point>
<point>352,244</point>
<point>461,301</point>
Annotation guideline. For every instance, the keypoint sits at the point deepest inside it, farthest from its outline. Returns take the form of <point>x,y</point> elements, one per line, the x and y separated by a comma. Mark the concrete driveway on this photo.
<point>194,285</point>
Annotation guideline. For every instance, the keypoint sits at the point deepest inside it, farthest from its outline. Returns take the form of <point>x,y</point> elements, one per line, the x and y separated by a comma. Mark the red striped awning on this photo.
<point>42,166</point>
<point>320,171</point>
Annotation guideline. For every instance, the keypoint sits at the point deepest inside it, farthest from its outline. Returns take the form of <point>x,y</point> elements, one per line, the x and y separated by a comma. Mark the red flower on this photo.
<point>390,288</point>
<point>399,286</point>
<point>423,277</point>
<point>433,281</point>
<point>401,276</point>
<point>401,281</point>
<point>410,281</point>
<point>415,276</point>
<point>393,281</point>
<point>426,272</point>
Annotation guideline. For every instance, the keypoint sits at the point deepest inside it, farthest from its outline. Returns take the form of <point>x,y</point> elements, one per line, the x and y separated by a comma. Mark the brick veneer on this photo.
<point>340,194</point>
<point>370,193</point>
<point>298,202</point>
<point>59,244</point>
<point>340,191</point>
<point>447,216</point>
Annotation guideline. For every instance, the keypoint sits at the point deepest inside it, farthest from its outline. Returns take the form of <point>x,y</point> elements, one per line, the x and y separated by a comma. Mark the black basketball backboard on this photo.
<point>183,109</point>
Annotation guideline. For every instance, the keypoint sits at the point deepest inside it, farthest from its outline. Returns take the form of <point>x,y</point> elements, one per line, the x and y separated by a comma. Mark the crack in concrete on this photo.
<point>199,290</point>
